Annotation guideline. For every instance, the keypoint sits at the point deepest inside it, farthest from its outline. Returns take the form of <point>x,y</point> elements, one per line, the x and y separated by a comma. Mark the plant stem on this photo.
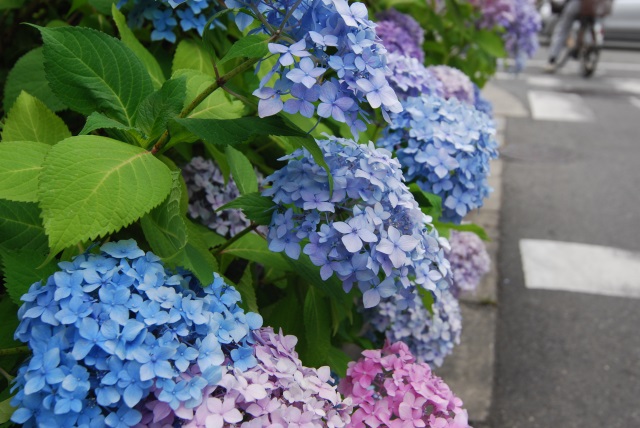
<point>6,375</point>
<point>164,138</point>
<point>18,350</point>
<point>237,236</point>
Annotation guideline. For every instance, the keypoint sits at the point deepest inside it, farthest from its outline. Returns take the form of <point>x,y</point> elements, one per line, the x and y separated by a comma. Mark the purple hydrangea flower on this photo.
<point>445,147</point>
<point>455,84</point>
<point>469,260</point>
<point>409,78</point>
<point>369,231</point>
<point>107,349</point>
<point>401,34</point>
<point>331,46</point>
<point>208,191</point>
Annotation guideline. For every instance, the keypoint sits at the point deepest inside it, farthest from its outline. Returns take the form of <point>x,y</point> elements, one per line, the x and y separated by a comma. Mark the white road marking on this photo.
<point>548,105</point>
<point>544,81</point>
<point>631,86</point>
<point>635,101</point>
<point>602,65</point>
<point>593,269</point>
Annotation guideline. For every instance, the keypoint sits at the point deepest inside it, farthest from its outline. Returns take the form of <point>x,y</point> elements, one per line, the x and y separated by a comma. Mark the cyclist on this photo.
<point>572,10</point>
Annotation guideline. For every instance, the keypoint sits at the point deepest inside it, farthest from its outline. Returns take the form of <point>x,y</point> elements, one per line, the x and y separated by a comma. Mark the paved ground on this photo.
<point>570,198</point>
<point>567,208</point>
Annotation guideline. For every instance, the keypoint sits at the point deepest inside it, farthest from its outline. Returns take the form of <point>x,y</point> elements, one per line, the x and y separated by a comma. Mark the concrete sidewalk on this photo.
<point>469,371</point>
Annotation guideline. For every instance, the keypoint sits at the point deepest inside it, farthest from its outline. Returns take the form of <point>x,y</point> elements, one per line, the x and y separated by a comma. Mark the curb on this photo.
<point>469,370</point>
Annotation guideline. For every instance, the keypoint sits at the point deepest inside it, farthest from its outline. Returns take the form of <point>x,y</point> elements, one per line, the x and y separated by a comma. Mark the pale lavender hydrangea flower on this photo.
<point>207,192</point>
<point>469,260</point>
<point>410,78</point>
<point>455,84</point>
<point>278,391</point>
<point>429,336</point>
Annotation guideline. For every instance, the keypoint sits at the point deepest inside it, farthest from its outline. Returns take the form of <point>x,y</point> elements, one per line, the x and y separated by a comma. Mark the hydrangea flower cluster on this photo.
<point>370,231</point>
<point>278,391</point>
<point>329,63</point>
<point>389,388</point>
<point>430,336</point>
<point>208,191</point>
<point>445,146</point>
<point>401,34</point>
<point>455,84</point>
<point>469,260</point>
<point>410,78</point>
<point>165,15</point>
<point>521,21</point>
<point>109,328</point>
<point>482,104</point>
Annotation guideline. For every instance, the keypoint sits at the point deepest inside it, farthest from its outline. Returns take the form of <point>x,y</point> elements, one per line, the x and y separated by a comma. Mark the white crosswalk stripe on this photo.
<point>558,106</point>
<point>593,269</point>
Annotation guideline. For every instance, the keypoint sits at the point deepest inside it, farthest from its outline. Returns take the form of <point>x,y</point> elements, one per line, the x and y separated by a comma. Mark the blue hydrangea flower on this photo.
<point>166,15</point>
<point>328,45</point>
<point>369,232</point>
<point>429,336</point>
<point>445,147</point>
<point>100,352</point>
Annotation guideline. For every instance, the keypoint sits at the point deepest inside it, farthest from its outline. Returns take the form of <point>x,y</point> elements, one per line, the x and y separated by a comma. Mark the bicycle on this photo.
<point>584,49</point>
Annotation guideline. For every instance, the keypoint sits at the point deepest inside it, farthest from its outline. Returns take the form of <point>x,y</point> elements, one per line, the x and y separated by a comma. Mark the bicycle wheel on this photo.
<point>589,60</point>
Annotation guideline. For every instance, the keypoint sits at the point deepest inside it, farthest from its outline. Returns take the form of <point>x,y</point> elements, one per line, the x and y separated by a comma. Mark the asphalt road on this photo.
<point>570,359</point>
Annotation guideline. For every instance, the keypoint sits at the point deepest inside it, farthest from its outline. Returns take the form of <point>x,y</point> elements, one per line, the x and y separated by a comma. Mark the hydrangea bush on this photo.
<point>409,78</point>
<point>455,84</point>
<point>110,328</point>
<point>469,260</point>
<point>278,391</point>
<point>430,333</point>
<point>389,388</point>
<point>368,230</point>
<point>208,191</point>
<point>445,147</point>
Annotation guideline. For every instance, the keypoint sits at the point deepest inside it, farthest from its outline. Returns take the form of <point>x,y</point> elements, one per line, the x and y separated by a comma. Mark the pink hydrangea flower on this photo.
<point>389,388</point>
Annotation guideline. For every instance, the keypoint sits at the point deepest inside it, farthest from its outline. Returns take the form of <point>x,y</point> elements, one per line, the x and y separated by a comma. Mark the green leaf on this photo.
<point>9,322</point>
<point>161,106</point>
<point>6,410</point>
<point>317,328</point>
<point>11,4</point>
<point>444,228</point>
<point>100,121</point>
<point>91,186</point>
<point>491,43</point>
<point>338,361</point>
<point>20,166</point>
<point>190,54</point>
<point>196,256</point>
<point>258,209</point>
<point>427,299</point>
<point>234,132</point>
<point>332,287</point>
<point>218,105</point>
<point>252,46</point>
<point>131,41</point>
<point>242,171</point>
<point>22,268</point>
<point>91,71</point>
<point>28,75</point>
<point>429,203</point>
<point>246,290</point>
<point>102,6</point>
<point>21,227</point>
<point>254,248</point>
<point>31,120</point>
<point>165,227</point>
